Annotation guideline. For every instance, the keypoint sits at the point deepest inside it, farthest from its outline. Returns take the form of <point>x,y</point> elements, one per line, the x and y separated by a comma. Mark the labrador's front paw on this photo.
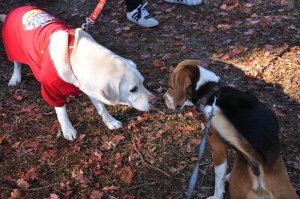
<point>214,197</point>
<point>69,133</point>
<point>14,80</point>
<point>112,123</point>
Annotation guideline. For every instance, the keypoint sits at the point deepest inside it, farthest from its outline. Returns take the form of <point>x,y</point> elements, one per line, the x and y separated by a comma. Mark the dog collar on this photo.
<point>71,41</point>
<point>203,100</point>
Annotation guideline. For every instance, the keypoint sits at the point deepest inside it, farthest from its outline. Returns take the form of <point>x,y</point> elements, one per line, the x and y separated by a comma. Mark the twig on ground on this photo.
<point>33,189</point>
<point>6,188</point>
<point>40,188</point>
<point>202,179</point>
<point>147,164</point>
<point>146,184</point>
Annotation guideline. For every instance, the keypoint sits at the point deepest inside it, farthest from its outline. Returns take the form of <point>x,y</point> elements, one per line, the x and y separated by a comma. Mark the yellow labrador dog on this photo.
<point>68,62</point>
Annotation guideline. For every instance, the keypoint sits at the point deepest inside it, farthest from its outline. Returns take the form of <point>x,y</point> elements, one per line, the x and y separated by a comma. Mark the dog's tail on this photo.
<point>229,134</point>
<point>2,17</point>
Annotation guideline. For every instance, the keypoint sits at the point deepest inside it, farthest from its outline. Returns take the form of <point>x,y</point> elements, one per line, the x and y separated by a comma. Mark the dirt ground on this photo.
<point>253,45</point>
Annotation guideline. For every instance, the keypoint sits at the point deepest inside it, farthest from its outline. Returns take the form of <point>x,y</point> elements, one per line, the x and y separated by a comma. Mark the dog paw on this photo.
<point>14,80</point>
<point>213,197</point>
<point>112,123</point>
<point>69,133</point>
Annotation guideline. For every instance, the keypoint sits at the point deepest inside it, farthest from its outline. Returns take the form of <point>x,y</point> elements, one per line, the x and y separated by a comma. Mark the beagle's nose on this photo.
<point>177,107</point>
<point>153,100</point>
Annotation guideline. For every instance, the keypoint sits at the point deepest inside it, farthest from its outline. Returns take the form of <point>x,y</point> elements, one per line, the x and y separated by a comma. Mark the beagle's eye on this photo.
<point>135,89</point>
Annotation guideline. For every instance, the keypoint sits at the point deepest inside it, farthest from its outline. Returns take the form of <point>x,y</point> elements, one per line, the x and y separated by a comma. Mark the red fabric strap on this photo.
<point>71,41</point>
<point>97,11</point>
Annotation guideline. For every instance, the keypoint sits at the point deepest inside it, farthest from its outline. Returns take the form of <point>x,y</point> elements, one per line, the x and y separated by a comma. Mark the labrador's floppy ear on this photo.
<point>111,91</point>
<point>131,64</point>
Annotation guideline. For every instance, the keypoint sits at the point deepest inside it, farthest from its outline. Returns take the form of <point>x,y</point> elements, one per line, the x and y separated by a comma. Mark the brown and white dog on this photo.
<point>239,121</point>
<point>96,71</point>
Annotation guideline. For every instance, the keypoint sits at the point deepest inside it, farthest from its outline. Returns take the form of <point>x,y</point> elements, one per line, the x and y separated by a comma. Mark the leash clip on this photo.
<point>201,107</point>
<point>85,26</point>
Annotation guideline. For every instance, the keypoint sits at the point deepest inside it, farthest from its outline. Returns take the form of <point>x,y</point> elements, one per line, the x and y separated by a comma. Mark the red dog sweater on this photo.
<point>26,31</point>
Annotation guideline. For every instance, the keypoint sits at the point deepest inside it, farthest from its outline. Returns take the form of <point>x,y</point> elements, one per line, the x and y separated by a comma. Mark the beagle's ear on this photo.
<point>187,81</point>
<point>187,86</point>
<point>181,86</point>
<point>111,92</point>
<point>171,69</point>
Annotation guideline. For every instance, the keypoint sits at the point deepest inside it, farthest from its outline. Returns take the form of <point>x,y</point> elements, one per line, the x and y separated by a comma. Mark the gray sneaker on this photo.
<point>186,2</point>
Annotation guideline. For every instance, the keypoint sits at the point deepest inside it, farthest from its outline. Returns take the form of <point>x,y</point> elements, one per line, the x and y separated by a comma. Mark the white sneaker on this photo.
<point>142,17</point>
<point>186,2</point>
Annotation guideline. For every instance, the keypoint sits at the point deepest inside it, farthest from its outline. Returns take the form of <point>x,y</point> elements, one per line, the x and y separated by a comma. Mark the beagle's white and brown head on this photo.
<point>186,81</point>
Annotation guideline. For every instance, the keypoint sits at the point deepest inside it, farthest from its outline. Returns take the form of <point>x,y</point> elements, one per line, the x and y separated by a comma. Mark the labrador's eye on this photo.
<point>135,89</point>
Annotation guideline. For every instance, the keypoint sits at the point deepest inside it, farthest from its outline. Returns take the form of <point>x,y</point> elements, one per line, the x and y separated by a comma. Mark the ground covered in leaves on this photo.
<point>254,45</point>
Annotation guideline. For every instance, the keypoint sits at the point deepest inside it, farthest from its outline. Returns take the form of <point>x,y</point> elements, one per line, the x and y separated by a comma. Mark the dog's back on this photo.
<point>252,128</point>
<point>253,120</point>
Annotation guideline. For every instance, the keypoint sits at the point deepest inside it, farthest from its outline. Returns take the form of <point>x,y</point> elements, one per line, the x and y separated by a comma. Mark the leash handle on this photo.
<point>94,15</point>
<point>194,177</point>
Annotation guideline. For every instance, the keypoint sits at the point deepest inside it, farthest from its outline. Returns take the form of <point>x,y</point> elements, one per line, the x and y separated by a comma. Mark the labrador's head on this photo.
<point>127,88</point>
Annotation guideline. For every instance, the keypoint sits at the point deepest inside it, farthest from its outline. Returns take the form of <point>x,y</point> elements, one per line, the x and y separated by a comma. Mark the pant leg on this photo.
<point>132,4</point>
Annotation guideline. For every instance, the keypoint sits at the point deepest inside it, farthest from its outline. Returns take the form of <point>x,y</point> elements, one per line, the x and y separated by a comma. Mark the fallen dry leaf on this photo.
<point>126,196</point>
<point>30,175</point>
<point>2,138</point>
<point>97,171</point>
<point>96,194</point>
<point>127,175</point>
<point>157,63</point>
<point>53,196</point>
<point>15,194</point>
<point>32,144</point>
<point>23,184</point>
<point>78,175</point>
<point>230,5</point>
<point>224,26</point>
<point>111,188</point>
<point>118,158</point>
<point>159,133</point>
<point>118,138</point>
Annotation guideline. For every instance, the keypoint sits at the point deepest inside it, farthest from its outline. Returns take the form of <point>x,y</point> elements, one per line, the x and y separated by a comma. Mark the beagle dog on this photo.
<point>241,122</point>
<point>67,62</point>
